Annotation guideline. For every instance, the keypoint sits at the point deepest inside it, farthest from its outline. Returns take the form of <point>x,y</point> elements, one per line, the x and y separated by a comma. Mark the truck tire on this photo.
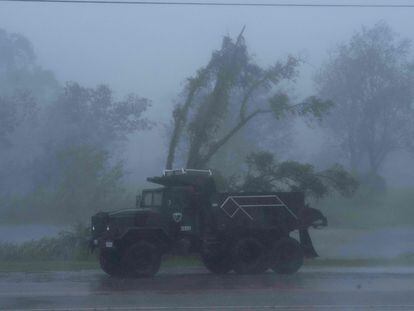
<point>249,256</point>
<point>217,262</point>
<point>142,259</point>
<point>110,262</point>
<point>287,256</point>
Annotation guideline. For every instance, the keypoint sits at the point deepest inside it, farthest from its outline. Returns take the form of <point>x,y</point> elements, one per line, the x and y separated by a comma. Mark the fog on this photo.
<point>151,50</point>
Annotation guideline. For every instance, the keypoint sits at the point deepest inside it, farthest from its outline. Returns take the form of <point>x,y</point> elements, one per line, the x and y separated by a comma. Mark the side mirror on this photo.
<point>138,201</point>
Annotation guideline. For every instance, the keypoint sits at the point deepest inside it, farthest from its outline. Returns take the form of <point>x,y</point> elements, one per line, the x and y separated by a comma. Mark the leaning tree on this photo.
<point>232,79</point>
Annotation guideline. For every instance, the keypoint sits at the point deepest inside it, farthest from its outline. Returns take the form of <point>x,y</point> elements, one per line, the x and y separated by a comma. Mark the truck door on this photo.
<point>184,210</point>
<point>190,213</point>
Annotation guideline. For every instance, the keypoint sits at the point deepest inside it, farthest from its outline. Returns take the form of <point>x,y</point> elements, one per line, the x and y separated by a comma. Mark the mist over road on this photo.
<point>194,289</point>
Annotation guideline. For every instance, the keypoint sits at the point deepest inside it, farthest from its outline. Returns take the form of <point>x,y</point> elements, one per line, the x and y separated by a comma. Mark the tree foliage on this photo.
<point>16,52</point>
<point>265,173</point>
<point>25,90</point>
<point>88,182</point>
<point>92,116</point>
<point>85,180</point>
<point>370,79</point>
<point>232,75</point>
<point>19,71</point>
<point>14,111</point>
<point>78,171</point>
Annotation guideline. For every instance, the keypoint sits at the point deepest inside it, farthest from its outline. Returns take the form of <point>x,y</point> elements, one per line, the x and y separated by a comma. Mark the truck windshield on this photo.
<point>157,198</point>
<point>152,198</point>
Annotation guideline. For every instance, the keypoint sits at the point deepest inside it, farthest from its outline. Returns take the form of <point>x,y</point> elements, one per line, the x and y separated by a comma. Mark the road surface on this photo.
<point>195,289</point>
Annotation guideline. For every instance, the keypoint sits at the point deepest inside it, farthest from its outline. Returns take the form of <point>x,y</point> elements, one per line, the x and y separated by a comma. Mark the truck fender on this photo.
<point>154,235</point>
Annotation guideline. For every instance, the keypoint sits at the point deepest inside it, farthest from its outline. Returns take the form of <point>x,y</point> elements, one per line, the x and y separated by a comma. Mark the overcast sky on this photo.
<point>150,50</point>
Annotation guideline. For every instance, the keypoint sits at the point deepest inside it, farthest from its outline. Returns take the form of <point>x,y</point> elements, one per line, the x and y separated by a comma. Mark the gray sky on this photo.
<point>151,50</point>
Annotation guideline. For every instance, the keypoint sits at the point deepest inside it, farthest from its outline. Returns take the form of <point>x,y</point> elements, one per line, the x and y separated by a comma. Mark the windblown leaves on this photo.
<point>265,173</point>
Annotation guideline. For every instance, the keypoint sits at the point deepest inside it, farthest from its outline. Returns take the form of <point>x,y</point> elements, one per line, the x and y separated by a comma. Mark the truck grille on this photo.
<point>99,223</point>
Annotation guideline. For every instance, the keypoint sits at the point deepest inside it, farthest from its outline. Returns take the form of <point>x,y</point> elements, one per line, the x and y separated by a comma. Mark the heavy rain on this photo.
<point>206,155</point>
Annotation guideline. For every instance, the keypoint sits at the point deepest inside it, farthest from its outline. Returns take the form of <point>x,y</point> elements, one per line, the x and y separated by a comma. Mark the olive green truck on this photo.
<point>241,232</point>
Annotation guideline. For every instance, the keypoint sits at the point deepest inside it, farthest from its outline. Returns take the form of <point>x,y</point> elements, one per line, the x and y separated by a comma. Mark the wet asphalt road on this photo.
<point>195,289</point>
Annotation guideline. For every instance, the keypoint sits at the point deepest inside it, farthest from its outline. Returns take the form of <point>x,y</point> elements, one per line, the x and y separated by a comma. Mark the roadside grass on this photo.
<point>71,245</point>
<point>369,210</point>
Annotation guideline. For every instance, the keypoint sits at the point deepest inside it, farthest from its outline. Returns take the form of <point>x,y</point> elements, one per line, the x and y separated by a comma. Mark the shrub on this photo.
<point>67,245</point>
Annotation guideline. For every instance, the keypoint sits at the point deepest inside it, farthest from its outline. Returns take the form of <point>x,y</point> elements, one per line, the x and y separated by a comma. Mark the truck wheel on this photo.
<point>217,262</point>
<point>249,256</point>
<point>142,259</point>
<point>110,262</point>
<point>287,256</point>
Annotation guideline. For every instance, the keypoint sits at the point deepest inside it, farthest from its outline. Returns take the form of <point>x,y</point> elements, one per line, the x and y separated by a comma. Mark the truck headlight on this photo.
<point>107,228</point>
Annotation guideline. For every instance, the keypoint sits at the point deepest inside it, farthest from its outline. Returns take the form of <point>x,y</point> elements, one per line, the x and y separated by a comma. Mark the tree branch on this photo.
<point>215,147</point>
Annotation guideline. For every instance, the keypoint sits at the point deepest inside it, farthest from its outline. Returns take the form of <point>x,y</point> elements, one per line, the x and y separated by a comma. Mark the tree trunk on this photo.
<point>173,145</point>
<point>179,122</point>
<point>218,97</point>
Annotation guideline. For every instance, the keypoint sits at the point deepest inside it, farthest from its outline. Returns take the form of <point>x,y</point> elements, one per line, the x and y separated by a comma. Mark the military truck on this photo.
<point>244,232</point>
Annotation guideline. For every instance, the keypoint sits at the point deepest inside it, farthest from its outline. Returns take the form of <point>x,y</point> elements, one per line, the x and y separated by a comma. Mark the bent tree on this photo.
<point>232,76</point>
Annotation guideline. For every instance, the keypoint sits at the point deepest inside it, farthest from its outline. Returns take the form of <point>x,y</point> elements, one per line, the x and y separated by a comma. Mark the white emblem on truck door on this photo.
<point>177,217</point>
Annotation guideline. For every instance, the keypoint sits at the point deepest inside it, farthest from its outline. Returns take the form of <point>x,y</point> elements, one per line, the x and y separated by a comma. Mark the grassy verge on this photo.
<point>365,210</point>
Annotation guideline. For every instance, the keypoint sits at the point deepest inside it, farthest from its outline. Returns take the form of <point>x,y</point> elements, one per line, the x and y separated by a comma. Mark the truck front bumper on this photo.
<point>100,243</point>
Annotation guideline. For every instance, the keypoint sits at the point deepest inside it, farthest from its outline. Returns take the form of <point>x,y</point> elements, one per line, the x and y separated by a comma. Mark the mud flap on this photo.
<point>307,245</point>
<point>310,217</point>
